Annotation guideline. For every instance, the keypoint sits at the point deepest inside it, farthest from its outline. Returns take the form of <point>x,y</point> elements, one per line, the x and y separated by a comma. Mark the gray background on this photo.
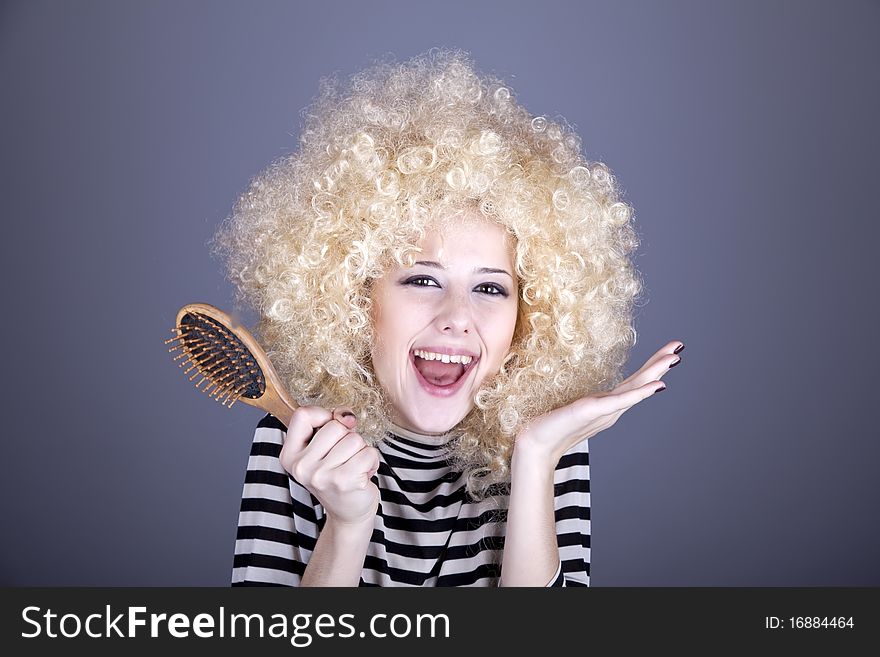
<point>743,133</point>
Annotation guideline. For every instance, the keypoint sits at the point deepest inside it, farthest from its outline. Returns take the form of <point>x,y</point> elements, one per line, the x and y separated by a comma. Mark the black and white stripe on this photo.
<point>427,532</point>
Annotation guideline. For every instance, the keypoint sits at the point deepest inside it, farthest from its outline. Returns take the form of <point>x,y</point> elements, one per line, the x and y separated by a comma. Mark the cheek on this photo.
<point>505,324</point>
<point>497,334</point>
<point>391,346</point>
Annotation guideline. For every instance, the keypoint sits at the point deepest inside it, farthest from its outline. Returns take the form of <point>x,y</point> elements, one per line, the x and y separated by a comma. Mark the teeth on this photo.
<point>446,358</point>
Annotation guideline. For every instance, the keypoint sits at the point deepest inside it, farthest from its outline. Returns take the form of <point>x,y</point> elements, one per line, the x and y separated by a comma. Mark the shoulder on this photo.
<point>268,437</point>
<point>269,421</point>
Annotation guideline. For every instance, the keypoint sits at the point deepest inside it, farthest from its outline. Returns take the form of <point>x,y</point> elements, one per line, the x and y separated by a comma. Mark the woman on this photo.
<point>444,285</point>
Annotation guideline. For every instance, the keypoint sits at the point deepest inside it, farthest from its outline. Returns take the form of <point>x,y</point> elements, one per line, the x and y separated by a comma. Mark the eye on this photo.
<point>497,289</point>
<point>415,281</point>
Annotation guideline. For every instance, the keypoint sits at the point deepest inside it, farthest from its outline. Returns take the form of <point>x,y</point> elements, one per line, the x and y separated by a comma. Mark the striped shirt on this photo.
<point>427,530</point>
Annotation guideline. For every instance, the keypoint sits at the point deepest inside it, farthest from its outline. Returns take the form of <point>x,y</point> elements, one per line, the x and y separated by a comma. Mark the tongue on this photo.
<point>438,372</point>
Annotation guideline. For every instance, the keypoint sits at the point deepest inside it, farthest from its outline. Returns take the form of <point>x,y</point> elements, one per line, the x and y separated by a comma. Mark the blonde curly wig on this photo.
<point>401,146</point>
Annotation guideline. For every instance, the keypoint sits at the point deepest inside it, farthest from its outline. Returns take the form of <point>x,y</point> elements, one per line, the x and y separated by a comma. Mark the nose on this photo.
<point>454,316</point>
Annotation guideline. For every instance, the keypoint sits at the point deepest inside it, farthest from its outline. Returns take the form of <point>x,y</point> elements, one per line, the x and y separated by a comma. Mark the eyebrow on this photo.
<point>478,270</point>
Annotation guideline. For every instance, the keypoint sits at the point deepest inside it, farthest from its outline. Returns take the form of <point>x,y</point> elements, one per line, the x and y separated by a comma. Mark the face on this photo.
<point>444,325</point>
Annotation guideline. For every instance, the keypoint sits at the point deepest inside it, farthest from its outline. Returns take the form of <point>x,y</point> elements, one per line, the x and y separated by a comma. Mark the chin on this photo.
<point>441,423</point>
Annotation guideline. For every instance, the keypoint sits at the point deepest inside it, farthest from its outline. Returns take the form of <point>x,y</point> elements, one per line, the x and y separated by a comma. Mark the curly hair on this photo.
<point>381,160</point>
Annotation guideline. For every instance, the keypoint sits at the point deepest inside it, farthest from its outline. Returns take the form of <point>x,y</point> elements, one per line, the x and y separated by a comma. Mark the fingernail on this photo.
<point>675,363</point>
<point>347,414</point>
<point>679,348</point>
<point>660,389</point>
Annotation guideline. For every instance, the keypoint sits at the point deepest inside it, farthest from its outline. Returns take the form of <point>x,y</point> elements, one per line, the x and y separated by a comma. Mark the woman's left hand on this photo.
<point>551,435</point>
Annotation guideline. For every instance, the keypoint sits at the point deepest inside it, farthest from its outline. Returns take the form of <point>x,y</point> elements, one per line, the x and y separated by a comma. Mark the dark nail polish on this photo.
<point>675,363</point>
<point>679,348</point>
<point>347,414</point>
<point>660,389</point>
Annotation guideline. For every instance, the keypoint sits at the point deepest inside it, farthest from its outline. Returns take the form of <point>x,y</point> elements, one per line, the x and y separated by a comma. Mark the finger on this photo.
<point>302,425</point>
<point>345,415</point>
<point>668,361</point>
<point>662,368</point>
<point>360,467</point>
<point>621,401</point>
<point>655,367</point>
<point>324,440</point>
<point>666,352</point>
<point>349,445</point>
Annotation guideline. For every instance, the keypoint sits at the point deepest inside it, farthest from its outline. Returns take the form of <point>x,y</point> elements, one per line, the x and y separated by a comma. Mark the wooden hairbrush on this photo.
<point>229,359</point>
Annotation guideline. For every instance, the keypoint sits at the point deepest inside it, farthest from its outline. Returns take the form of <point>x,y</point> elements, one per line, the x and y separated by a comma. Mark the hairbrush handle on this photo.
<point>229,359</point>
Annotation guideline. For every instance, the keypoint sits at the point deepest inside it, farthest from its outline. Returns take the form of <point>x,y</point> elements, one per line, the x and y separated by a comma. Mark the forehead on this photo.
<point>467,239</point>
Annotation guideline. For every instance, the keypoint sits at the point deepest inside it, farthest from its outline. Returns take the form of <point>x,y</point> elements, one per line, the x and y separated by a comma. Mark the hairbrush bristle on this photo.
<point>217,354</point>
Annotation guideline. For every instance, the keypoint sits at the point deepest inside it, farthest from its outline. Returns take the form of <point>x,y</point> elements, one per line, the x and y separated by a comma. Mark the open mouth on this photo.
<point>438,376</point>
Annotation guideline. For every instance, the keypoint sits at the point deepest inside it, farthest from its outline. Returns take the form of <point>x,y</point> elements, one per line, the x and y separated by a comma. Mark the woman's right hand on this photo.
<point>324,454</point>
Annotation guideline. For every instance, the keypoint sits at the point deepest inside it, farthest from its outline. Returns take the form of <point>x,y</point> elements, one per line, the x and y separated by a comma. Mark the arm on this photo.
<point>531,555</point>
<point>566,515</point>
<point>532,547</point>
<point>280,539</point>
<point>572,503</point>
<point>326,457</point>
<point>339,555</point>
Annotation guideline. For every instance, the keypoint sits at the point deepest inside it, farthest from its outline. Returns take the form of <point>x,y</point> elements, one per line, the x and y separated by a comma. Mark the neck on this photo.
<point>432,438</point>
